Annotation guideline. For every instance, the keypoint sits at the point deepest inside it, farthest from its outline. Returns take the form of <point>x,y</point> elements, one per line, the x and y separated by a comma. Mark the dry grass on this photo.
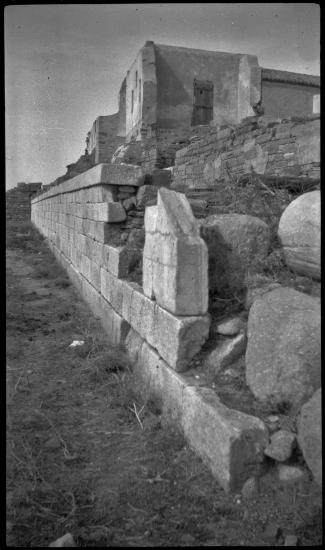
<point>86,455</point>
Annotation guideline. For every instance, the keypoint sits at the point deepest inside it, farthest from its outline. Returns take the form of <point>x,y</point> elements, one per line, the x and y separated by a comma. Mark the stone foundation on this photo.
<point>76,218</point>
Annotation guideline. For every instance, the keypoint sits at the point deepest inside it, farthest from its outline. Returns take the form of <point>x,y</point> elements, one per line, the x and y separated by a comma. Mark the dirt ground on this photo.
<point>85,456</point>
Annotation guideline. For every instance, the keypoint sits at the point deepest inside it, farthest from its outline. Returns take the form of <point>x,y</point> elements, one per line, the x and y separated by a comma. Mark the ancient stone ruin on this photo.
<point>151,228</point>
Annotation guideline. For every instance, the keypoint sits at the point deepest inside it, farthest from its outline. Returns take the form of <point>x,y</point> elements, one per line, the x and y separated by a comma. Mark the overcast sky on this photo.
<point>64,64</point>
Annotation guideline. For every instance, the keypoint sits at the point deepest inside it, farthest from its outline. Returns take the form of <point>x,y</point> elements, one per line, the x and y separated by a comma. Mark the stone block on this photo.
<point>116,212</point>
<point>229,441</point>
<point>225,353</point>
<point>112,289</point>
<point>281,445</point>
<point>100,231</point>
<point>116,260</point>
<point>175,258</point>
<point>177,339</point>
<point>155,380</point>
<point>114,325</point>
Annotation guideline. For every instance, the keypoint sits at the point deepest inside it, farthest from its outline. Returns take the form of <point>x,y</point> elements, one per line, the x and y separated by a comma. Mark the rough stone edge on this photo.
<point>101,174</point>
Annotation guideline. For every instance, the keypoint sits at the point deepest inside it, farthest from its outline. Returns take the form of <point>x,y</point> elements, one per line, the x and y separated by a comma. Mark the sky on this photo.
<point>64,63</point>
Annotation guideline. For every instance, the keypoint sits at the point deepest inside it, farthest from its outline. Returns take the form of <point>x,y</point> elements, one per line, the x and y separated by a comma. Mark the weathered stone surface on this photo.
<point>129,204</point>
<point>115,213</point>
<point>63,542</point>
<point>299,233</point>
<point>105,174</point>
<point>271,531</point>
<point>230,441</point>
<point>156,380</point>
<point>146,193</point>
<point>310,434</point>
<point>230,326</point>
<point>291,540</point>
<point>250,488</point>
<point>272,422</point>
<point>225,353</point>
<point>175,260</point>
<point>281,445</point>
<point>177,339</point>
<point>237,244</point>
<point>283,349</point>
<point>290,474</point>
<point>136,238</point>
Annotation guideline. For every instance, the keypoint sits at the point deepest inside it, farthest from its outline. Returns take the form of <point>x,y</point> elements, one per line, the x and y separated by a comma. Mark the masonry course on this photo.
<point>102,256</point>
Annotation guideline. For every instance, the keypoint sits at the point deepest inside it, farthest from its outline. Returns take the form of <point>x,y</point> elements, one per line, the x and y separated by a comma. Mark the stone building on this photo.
<point>171,91</point>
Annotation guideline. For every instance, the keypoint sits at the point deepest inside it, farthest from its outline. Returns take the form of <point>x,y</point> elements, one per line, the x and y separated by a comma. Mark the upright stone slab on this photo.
<point>175,258</point>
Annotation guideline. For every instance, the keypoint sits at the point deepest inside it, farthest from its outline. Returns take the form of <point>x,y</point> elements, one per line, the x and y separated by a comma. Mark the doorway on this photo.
<point>203,102</point>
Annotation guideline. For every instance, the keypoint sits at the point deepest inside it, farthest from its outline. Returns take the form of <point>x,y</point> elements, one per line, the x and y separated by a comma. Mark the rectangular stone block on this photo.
<point>175,258</point>
<point>177,339</point>
<point>100,231</point>
<point>101,174</point>
<point>229,441</point>
<point>155,380</point>
<point>112,289</point>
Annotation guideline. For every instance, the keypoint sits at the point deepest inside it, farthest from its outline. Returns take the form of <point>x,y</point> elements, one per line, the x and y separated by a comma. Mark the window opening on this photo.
<point>202,102</point>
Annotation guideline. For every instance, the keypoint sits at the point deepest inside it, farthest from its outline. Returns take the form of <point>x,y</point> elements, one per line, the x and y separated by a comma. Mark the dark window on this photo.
<point>139,90</point>
<point>136,78</point>
<point>132,101</point>
<point>203,102</point>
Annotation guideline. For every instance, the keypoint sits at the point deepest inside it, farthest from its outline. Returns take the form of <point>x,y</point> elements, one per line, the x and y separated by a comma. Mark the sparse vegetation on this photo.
<point>86,455</point>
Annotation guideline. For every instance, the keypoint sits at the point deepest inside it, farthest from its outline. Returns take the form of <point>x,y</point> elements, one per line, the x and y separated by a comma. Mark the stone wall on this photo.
<point>18,205</point>
<point>160,327</point>
<point>268,146</point>
<point>103,138</point>
<point>87,224</point>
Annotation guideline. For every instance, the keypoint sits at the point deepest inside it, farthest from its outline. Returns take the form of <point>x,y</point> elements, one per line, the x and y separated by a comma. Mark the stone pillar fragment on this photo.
<point>175,258</point>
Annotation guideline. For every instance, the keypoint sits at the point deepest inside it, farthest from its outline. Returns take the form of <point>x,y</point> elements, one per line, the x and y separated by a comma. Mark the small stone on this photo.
<point>289,473</point>
<point>281,445</point>
<point>230,327</point>
<point>291,540</point>
<point>187,539</point>
<point>272,531</point>
<point>65,541</point>
<point>226,352</point>
<point>232,373</point>
<point>250,488</point>
<point>272,423</point>
<point>52,443</point>
<point>273,418</point>
<point>128,204</point>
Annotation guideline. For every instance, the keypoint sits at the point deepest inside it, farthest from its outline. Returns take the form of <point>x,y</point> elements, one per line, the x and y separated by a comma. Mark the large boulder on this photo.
<point>309,426</point>
<point>237,243</point>
<point>299,233</point>
<point>283,349</point>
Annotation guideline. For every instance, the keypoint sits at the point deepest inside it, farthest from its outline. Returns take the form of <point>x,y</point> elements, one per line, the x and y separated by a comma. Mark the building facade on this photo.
<point>170,90</point>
